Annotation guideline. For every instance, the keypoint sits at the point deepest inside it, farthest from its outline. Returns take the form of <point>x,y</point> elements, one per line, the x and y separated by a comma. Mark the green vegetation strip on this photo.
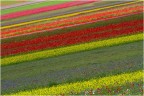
<point>71,49</point>
<point>31,6</point>
<point>70,29</point>
<point>56,13</point>
<point>80,66</point>
<point>60,11</point>
<point>77,87</point>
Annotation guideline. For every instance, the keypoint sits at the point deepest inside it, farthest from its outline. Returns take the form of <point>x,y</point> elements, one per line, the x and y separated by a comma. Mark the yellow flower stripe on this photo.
<point>111,81</point>
<point>67,15</point>
<point>70,49</point>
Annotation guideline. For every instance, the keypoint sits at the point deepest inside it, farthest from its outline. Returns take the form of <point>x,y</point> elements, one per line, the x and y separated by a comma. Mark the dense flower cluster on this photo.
<point>73,37</point>
<point>42,9</point>
<point>72,21</point>
<point>71,49</point>
<point>78,87</point>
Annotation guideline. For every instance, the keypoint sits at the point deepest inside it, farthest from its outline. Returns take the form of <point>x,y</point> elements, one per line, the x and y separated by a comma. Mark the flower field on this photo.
<point>91,84</point>
<point>91,47</point>
<point>78,20</point>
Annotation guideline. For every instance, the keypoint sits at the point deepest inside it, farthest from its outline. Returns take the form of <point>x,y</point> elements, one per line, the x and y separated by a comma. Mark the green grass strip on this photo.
<point>80,27</point>
<point>77,87</point>
<point>31,6</point>
<point>70,49</point>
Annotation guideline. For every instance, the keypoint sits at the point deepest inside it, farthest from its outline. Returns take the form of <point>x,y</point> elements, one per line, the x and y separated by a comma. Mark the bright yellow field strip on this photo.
<point>111,81</point>
<point>68,15</point>
<point>70,49</point>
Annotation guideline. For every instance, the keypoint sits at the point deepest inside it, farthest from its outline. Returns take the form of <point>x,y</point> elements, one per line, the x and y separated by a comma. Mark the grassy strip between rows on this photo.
<point>67,15</point>
<point>31,6</point>
<point>68,23</point>
<point>60,12</point>
<point>70,49</point>
<point>70,29</point>
<point>64,11</point>
<point>77,87</point>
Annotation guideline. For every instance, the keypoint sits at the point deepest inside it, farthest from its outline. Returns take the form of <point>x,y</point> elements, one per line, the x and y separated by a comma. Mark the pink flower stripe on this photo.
<point>50,30</point>
<point>69,22</point>
<point>44,9</point>
<point>21,4</point>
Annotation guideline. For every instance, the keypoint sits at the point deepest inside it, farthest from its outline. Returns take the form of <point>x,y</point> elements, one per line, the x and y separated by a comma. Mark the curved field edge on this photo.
<point>77,87</point>
<point>71,49</point>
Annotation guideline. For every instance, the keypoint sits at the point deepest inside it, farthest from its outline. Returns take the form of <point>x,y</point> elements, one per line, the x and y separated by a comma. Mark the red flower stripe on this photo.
<point>70,34</point>
<point>74,40</point>
<point>43,9</point>
<point>71,25</point>
<point>79,19</point>
<point>69,22</point>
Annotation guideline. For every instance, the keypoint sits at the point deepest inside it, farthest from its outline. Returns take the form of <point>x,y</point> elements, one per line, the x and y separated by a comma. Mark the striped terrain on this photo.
<point>73,47</point>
